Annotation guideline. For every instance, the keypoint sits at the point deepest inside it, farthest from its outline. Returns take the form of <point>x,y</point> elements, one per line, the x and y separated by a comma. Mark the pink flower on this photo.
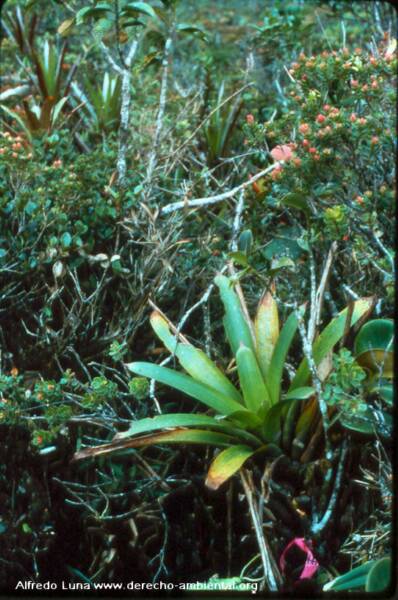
<point>283,152</point>
<point>249,119</point>
<point>320,118</point>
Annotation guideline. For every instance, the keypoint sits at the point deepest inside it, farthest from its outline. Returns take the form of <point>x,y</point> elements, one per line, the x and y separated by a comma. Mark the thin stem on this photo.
<point>262,543</point>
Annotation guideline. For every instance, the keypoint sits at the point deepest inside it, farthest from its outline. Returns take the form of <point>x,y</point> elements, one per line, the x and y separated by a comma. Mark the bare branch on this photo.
<point>159,119</point>
<point>218,197</point>
<point>125,114</point>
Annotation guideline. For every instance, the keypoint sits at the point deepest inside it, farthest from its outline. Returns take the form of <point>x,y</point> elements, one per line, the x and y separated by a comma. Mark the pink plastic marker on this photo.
<point>311,564</point>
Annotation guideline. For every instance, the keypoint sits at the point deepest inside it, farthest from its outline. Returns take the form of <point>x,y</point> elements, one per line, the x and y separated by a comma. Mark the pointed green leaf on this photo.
<point>194,361</point>
<point>187,28</point>
<point>226,464</point>
<point>173,420</point>
<point>301,393</point>
<point>296,200</point>
<point>252,384</point>
<point>282,346</point>
<point>351,578</point>
<point>271,427</point>
<point>245,419</point>
<point>351,584</point>
<point>266,327</point>
<point>140,7</point>
<point>57,109</point>
<point>208,396</point>
<point>88,11</point>
<point>329,338</point>
<point>237,327</point>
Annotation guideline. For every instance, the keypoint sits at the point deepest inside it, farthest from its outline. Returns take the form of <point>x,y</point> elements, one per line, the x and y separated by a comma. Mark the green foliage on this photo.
<point>374,347</point>
<point>345,384</point>
<point>252,414</point>
<point>103,103</point>
<point>220,126</point>
<point>139,387</point>
<point>80,256</point>
<point>352,381</point>
<point>372,576</point>
<point>22,27</point>
<point>379,577</point>
<point>117,351</point>
<point>43,403</point>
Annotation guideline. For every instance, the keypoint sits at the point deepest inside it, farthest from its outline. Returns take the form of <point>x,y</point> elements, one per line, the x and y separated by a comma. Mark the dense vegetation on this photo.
<point>223,172</point>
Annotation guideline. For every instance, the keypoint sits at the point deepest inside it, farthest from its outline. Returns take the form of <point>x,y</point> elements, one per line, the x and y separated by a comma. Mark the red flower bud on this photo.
<point>304,128</point>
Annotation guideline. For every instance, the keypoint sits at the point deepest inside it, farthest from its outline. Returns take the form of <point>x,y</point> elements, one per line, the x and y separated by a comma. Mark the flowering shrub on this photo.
<point>334,144</point>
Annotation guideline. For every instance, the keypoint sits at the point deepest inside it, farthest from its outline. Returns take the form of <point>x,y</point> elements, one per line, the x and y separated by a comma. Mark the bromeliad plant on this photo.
<point>219,127</point>
<point>102,103</point>
<point>50,78</point>
<point>248,419</point>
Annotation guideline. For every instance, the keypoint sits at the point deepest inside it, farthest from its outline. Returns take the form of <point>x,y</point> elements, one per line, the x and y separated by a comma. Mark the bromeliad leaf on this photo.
<point>254,390</point>
<point>205,394</point>
<point>266,327</point>
<point>353,579</point>
<point>176,436</point>
<point>236,325</point>
<point>301,393</point>
<point>185,420</point>
<point>282,346</point>
<point>329,338</point>
<point>226,464</point>
<point>194,361</point>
